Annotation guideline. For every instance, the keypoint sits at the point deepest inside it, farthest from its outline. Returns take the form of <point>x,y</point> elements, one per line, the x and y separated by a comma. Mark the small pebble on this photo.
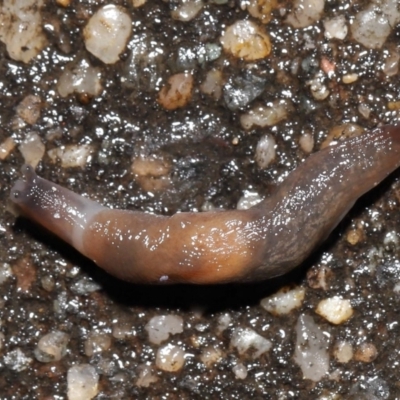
<point>97,342</point>
<point>160,327</point>
<point>177,92</point>
<point>107,32</point>
<point>311,353</point>
<point>240,371</point>
<point>343,352</point>
<point>210,356</point>
<point>82,381</point>
<point>32,149</point>
<point>187,9</point>
<point>170,358</point>
<point>16,360</point>
<point>29,109</point>
<point>146,376</point>
<point>52,347</point>
<point>284,301</point>
<point>336,27</point>
<point>261,9</point>
<point>72,155</point>
<point>335,309</point>
<point>366,352</point>
<point>245,39</point>
<point>245,339</point>
<point>306,142</point>
<point>265,151</point>
<point>305,12</point>
<point>6,147</point>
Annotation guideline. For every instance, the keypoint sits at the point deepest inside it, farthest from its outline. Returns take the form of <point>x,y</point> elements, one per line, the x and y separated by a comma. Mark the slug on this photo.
<point>262,242</point>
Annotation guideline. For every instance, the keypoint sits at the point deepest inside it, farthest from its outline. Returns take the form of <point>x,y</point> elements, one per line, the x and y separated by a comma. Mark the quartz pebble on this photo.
<point>343,352</point>
<point>311,353</point>
<point>245,39</point>
<point>5,272</point>
<point>52,347</point>
<point>373,24</point>
<point>21,28</point>
<point>261,9</point>
<point>160,327</point>
<point>107,33</point>
<point>306,142</point>
<point>170,358</point>
<point>240,371</point>
<point>71,155</point>
<point>6,147</point>
<point>336,28</point>
<point>187,9</point>
<point>266,115</point>
<point>29,109</point>
<point>80,77</point>
<point>212,85</point>
<point>305,12</point>
<point>245,339</point>
<point>335,309</point>
<point>32,149</point>
<point>284,301</point>
<point>177,92</point>
<point>248,200</point>
<point>82,382</point>
<point>16,360</point>
<point>265,151</point>
<point>146,376</point>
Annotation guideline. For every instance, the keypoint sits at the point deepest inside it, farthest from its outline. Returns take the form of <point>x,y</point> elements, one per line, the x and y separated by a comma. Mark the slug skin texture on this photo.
<point>265,241</point>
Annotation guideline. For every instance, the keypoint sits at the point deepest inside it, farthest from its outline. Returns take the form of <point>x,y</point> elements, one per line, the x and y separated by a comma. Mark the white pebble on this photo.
<point>311,352</point>
<point>318,89</point>
<point>80,77</point>
<point>16,360</point>
<point>71,155</point>
<point>391,66</point>
<point>83,381</point>
<point>107,33</point>
<point>248,200</point>
<point>21,28</point>
<point>266,115</point>
<point>305,12</point>
<point>146,376</point>
<point>6,147</point>
<point>52,347</point>
<point>29,109</point>
<point>265,151</point>
<point>187,10</point>
<point>372,25</point>
<point>306,142</point>
<point>245,39</point>
<point>160,327</point>
<point>170,358</point>
<point>350,78</point>
<point>284,301</point>
<point>244,339</point>
<point>343,352</point>
<point>210,356</point>
<point>240,371</point>
<point>32,149</point>
<point>336,27</point>
<point>335,309</point>
<point>224,321</point>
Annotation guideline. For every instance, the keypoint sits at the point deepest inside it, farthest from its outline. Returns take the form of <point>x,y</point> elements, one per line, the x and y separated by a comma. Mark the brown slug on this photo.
<point>265,241</point>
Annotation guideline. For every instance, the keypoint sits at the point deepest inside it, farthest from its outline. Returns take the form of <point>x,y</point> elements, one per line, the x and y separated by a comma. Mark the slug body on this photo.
<point>223,246</point>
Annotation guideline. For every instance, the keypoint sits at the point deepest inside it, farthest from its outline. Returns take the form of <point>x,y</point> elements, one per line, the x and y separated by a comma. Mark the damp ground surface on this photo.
<point>226,143</point>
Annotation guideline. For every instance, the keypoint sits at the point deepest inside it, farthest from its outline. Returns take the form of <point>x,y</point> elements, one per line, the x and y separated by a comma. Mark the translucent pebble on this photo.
<point>240,371</point>
<point>170,358</point>
<point>335,309</point>
<point>52,347</point>
<point>311,353</point>
<point>284,301</point>
<point>160,327</point>
<point>82,380</point>
<point>245,39</point>
<point>32,149</point>
<point>305,12</point>
<point>245,339</point>
<point>107,33</point>
<point>265,151</point>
